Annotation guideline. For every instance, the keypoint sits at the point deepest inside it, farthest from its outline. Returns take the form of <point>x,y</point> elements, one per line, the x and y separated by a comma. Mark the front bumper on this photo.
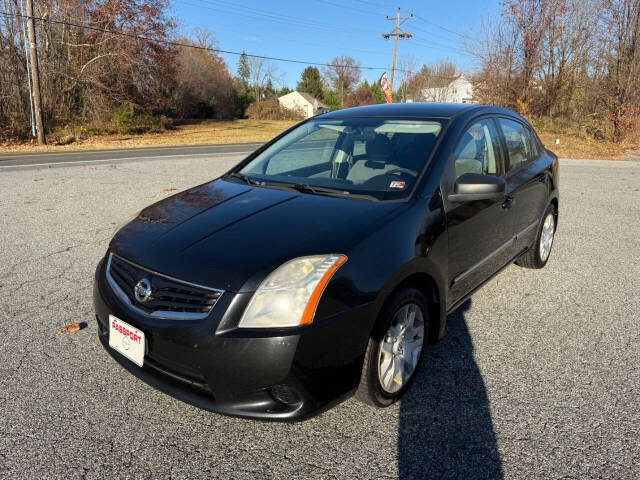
<point>270,375</point>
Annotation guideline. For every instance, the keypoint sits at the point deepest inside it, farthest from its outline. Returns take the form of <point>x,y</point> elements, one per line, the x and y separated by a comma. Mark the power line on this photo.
<point>287,40</point>
<point>431,44</point>
<point>433,24</point>
<point>297,23</point>
<point>366,2</point>
<point>353,9</point>
<point>199,47</point>
<point>291,23</point>
<point>234,9</point>
<point>186,45</point>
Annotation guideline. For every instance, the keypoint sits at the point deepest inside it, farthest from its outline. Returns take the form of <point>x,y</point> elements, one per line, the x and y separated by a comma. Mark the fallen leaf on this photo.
<point>74,327</point>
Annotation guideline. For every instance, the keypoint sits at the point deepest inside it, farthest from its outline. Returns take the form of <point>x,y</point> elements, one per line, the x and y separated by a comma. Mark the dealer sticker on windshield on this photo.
<point>397,184</point>
<point>127,340</point>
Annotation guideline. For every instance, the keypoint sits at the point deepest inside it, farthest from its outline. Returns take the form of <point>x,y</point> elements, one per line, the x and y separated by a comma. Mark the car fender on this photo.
<point>414,272</point>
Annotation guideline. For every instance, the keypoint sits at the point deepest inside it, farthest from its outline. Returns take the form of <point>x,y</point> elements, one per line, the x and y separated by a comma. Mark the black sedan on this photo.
<point>324,263</point>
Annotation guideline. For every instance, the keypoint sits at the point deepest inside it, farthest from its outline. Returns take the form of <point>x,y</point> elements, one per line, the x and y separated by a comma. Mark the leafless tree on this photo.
<point>574,59</point>
<point>406,70</point>
<point>343,74</point>
<point>621,19</point>
<point>432,82</point>
<point>262,72</point>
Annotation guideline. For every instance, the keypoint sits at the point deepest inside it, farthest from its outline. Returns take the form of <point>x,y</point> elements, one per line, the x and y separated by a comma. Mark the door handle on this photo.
<point>507,202</point>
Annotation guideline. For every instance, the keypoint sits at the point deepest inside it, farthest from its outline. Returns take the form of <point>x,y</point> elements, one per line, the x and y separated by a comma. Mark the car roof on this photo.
<point>414,109</point>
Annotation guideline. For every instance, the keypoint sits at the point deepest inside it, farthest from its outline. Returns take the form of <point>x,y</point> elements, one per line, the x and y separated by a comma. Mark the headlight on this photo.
<point>288,297</point>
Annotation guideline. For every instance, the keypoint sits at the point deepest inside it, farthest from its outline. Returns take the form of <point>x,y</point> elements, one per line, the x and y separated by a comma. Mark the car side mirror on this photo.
<point>476,186</point>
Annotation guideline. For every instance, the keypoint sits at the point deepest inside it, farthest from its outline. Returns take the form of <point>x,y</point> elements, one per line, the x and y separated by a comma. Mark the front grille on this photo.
<point>169,298</point>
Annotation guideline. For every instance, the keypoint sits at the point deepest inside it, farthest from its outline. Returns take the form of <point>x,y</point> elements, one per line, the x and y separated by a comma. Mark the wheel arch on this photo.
<point>427,282</point>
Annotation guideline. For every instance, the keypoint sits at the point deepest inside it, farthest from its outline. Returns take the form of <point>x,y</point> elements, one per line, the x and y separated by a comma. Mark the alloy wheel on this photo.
<point>400,348</point>
<point>546,236</point>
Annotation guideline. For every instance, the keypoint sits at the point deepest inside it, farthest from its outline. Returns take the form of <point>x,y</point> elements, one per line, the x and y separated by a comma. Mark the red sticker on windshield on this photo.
<point>397,184</point>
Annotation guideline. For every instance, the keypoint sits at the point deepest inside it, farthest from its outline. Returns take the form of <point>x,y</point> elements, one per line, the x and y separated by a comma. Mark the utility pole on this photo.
<point>26,56</point>
<point>35,73</point>
<point>398,34</point>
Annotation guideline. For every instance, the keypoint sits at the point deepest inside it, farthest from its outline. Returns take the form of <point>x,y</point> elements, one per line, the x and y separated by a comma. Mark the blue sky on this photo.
<point>318,30</point>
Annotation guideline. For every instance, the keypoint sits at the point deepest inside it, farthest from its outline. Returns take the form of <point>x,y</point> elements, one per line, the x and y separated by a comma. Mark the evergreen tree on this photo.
<point>268,91</point>
<point>243,69</point>
<point>311,82</point>
<point>331,100</point>
<point>378,93</point>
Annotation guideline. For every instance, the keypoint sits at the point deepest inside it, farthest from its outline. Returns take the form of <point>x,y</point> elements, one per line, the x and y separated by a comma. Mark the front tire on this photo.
<point>395,349</point>
<point>538,255</point>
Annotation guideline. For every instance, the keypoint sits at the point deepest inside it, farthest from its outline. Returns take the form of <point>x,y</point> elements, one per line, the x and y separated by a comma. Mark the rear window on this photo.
<point>374,156</point>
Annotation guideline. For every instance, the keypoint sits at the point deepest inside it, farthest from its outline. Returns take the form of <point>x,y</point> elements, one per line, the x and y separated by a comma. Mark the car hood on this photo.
<point>228,235</point>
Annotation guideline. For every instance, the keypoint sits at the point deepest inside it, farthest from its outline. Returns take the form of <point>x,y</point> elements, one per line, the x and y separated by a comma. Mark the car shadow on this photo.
<point>445,427</point>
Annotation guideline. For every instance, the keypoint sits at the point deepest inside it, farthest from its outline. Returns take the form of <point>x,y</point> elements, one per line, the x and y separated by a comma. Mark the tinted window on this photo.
<point>478,150</point>
<point>374,156</point>
<point>535,148</point>
<point>314,150</point>
<point>519,142</point>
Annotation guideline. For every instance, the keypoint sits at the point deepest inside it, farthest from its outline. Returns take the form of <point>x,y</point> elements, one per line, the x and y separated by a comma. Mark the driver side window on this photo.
<point>478,150</point>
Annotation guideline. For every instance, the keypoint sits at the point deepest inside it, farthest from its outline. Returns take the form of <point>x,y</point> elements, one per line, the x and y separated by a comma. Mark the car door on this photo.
<point>527,180</point>
<point>481,231</point>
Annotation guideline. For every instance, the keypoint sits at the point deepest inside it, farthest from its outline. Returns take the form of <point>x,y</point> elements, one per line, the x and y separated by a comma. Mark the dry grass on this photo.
<point>571,144</point>
<point>575,142</point>
<point>196,133</point>
<point>574,146</point>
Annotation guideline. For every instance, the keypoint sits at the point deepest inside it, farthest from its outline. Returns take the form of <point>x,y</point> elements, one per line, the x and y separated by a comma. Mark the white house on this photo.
<point>458,91</point>
<point>303,102</point>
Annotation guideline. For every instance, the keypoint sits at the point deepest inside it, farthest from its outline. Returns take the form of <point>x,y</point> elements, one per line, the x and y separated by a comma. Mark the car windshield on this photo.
<point>376,157</point>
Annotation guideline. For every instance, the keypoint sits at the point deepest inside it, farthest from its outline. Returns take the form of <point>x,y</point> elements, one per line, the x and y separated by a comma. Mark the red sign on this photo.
<point>384,84</point>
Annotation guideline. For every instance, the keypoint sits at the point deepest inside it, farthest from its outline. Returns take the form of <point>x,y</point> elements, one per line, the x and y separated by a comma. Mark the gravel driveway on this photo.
<point>537,377</point>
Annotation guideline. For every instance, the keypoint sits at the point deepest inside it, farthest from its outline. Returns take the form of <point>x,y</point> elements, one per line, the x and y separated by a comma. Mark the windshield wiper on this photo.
<point>334,192</point>
<point>304,187</point>
<point>246,179</point>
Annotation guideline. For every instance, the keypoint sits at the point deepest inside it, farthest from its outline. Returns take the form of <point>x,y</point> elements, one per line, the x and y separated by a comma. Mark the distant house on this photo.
<point>304,103</point>
<point>458,91</point>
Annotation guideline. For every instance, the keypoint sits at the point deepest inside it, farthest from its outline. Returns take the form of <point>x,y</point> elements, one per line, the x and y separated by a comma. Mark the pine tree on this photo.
<point>243,70</point>
<point>311,82</point>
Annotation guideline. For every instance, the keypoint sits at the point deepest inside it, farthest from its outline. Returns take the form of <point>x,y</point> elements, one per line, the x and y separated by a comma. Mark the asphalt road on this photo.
<point>17,160</point>
<point>538,376</point>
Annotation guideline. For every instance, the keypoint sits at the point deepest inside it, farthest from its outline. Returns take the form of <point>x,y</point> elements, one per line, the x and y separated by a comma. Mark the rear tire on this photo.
<point>538,255</point>
<point>395,349</point>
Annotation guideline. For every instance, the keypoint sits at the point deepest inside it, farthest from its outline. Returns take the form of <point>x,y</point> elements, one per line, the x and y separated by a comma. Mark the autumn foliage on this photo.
<point>577,61</point>
<point>121,74</point>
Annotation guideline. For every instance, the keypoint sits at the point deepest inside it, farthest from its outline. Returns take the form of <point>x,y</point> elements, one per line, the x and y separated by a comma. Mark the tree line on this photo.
<point>120,65</point>
<point>575,61</point>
